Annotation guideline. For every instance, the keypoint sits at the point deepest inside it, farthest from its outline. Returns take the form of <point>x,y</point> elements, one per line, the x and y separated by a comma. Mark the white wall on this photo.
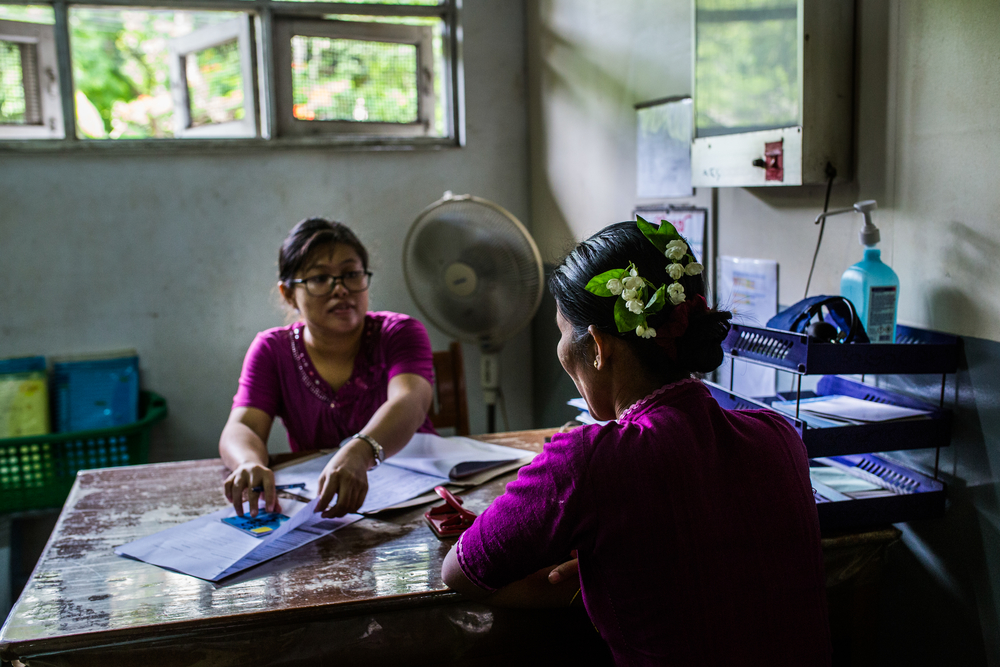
<point>927,144</point>
<point>176,255</point>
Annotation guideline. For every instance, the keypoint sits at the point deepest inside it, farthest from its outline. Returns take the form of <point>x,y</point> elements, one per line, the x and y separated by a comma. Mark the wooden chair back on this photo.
<point>450,408</point>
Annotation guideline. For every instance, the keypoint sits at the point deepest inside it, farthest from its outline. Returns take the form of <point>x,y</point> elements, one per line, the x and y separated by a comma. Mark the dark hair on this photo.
<point>698,349</point>
<point>308,235</point>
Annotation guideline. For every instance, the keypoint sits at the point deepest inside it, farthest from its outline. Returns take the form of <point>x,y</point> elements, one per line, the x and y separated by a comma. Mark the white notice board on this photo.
<point>663,148</point>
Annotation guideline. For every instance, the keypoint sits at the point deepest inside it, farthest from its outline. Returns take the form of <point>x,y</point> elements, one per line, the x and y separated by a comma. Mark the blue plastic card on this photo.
<point>263,525</point>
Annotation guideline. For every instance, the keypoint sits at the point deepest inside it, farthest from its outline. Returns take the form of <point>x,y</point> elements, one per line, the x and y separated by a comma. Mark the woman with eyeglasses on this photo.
<point>338,372</point>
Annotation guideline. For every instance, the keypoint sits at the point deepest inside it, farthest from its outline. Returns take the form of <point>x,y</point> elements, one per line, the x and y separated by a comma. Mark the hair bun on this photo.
<point>700,348</point>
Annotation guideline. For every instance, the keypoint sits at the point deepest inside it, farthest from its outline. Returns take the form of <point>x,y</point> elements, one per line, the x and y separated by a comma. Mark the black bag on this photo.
<point>836,320</point>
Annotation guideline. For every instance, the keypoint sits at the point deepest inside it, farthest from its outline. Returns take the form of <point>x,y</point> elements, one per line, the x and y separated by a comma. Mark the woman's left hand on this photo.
<point>346,476</point>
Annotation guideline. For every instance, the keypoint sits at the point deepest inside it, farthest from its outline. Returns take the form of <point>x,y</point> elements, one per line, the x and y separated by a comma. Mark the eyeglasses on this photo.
<point>323,284</point>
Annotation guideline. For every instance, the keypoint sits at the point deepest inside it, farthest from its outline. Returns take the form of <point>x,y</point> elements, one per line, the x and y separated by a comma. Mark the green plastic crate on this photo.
<point>37,471</point>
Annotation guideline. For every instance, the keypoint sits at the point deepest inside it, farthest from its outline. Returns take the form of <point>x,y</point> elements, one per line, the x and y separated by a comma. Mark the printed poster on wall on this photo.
<point>749,289</point>
<point>689,222</point>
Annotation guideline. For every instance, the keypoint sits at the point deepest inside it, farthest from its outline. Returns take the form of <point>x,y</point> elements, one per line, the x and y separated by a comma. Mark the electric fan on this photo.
<point>475,273</point>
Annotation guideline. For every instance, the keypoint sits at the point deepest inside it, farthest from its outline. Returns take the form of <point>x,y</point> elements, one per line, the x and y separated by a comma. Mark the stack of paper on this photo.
<point>456,458</point>
<point>837,410</point>
<point>832,481</point>
<point>210,548</point>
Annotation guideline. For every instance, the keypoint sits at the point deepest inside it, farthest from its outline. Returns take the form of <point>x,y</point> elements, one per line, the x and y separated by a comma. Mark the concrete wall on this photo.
<point>176,255</point>
<point>927,147</point>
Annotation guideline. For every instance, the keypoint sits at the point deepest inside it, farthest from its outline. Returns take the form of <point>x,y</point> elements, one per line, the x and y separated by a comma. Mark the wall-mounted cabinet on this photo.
<point>773,91</point>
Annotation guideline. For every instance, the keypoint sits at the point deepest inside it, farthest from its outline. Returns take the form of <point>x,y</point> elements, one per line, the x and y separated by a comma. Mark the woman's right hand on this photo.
<point>243,450</point>
<point>245,479</point>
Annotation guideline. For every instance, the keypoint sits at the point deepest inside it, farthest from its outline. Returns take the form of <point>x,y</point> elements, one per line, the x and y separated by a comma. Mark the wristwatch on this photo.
<point>377,450</point>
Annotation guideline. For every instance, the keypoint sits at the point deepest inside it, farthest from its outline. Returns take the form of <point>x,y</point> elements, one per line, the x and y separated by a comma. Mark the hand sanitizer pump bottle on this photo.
<point>871,285</point>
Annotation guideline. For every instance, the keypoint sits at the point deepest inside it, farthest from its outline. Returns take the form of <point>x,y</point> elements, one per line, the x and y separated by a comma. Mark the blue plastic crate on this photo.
<point>95,394</point>
<point>22,365</point>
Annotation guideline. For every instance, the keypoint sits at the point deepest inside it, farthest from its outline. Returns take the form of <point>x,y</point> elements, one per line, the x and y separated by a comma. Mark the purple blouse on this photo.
<point>696,530</point>
<point>279,378</point>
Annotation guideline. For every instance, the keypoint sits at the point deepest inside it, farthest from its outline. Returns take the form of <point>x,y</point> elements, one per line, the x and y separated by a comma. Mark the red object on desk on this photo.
<point>451,518</point>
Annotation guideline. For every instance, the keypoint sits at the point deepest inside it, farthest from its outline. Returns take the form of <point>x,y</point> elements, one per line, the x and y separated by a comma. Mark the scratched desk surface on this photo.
<point>82,598</point>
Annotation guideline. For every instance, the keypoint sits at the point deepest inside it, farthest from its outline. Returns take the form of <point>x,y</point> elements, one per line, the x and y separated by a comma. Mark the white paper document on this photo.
<point>453,458</point>
<point>209,549</point>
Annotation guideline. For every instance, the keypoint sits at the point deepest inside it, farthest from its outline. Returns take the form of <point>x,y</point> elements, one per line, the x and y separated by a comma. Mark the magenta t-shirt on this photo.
<point>279,378</point>
<point>696,530</point>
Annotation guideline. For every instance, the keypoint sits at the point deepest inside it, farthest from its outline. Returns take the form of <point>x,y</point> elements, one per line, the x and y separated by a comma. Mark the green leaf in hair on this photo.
<point>651,233</point>
<point>599,284</point>
<point>658,237</point>
<point>657,301</point>
<point>625,319</point>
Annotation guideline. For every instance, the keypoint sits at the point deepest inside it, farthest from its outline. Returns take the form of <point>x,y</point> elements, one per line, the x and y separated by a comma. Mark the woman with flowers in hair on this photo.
<point>694,527</point>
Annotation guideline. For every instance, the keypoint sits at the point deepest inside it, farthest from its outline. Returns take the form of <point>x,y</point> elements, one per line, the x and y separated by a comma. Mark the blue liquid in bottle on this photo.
<point>873,288</point>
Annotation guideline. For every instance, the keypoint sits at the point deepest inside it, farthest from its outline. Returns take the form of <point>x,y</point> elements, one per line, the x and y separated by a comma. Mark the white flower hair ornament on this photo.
<point>632,306</point>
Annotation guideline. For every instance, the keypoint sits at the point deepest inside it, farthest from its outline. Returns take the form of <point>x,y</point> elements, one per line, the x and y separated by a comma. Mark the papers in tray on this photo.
<point>837,410</point>
<point>210,549</point>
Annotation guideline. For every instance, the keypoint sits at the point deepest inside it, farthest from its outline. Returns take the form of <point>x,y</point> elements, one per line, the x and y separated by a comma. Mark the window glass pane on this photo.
<point>348,79</point>
<point>441,85</point>
<point>27,14</point>
<point>746,65</point>
<point>121,69</point>
<point>20,99</point>
<point>432,3</point>
<point>215,84</point>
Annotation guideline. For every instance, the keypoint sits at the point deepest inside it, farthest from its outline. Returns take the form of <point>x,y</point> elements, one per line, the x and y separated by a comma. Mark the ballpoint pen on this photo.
<point>281,487</point>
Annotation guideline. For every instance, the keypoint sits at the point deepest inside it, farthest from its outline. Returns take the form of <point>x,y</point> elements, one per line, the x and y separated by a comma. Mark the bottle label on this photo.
<point>881,314</point>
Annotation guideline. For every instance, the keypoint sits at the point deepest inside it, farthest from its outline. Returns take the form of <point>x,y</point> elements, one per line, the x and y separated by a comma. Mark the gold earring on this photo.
<point>595,363</point>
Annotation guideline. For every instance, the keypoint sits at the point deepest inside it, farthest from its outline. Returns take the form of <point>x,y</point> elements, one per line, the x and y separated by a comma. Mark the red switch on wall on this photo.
<point>774,169</point>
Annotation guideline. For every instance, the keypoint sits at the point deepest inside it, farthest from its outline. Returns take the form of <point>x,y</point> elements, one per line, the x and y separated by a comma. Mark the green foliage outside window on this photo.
<point>12,102</point>
<point>121,72</point>
<point>215,84</point>
<point>346,79</point>
<point>746,65</point>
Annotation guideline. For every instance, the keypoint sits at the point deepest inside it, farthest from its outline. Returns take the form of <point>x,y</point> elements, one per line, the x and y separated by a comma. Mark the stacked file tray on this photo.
<point>915,351</point>
<point>854,487</point>
<point>836,440</point>
<point>866,490</point>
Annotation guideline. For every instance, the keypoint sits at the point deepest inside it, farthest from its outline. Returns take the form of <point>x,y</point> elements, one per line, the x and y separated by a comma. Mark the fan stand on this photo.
<point>489,376</point>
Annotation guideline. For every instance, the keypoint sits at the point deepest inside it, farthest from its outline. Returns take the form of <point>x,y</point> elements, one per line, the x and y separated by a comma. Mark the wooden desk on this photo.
<point>368,594</point>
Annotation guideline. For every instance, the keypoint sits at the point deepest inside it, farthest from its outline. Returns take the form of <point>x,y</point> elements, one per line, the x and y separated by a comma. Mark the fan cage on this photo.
<point>477,212</point>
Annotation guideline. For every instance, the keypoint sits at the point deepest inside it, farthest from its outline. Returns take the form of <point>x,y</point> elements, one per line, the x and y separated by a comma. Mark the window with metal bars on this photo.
<point>279,72</point>
<point>29,96</point>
